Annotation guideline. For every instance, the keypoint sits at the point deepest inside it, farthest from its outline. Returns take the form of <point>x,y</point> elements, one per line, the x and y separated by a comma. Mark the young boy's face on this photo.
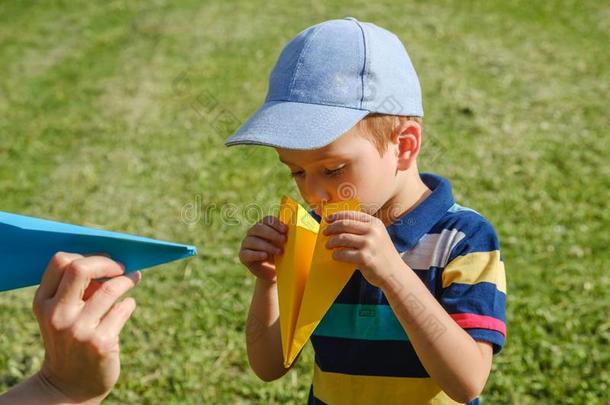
<point>349,167</point>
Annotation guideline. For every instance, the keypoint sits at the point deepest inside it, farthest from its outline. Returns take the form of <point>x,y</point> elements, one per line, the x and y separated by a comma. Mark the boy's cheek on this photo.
<point>370,205</point>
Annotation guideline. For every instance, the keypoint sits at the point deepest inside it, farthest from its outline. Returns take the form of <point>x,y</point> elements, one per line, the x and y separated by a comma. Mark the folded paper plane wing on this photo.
<point>309,279</point>
<point>27,244</point>
<point>293,266</point>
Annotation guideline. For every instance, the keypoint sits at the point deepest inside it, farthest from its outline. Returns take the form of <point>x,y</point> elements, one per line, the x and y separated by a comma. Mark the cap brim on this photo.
<point>291,125</point>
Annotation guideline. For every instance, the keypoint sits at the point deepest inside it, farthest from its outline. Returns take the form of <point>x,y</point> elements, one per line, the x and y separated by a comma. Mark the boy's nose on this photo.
<point>315,193</point>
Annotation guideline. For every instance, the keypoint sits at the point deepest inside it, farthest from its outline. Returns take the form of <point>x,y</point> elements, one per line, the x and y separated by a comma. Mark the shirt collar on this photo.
<point>408,229</point>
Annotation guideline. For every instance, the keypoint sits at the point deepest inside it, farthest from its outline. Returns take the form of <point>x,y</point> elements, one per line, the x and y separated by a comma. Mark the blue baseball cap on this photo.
<point>328,78</point>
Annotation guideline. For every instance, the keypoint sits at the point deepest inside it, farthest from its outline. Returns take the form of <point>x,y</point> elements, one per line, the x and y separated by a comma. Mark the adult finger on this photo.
<point>80,272</point>
<point>53,274</point>
<point>106,295</point>
<point>92,288</point>
<point>115,319</point>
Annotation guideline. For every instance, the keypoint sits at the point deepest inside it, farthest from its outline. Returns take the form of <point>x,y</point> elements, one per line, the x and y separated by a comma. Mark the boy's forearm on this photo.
<point>450,356</point>
<point>263,336</point>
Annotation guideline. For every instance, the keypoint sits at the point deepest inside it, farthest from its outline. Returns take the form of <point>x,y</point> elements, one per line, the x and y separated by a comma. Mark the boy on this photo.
<point>419,320</point>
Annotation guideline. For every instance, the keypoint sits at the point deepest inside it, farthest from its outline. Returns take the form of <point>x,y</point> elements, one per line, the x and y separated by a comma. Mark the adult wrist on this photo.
<point>49,391</point>
<point>52,394</point>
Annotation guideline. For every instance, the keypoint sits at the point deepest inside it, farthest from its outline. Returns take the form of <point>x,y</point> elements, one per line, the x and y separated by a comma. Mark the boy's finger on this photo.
<point>254,243</point>
<point>250,256</point>
<point>80,272</point>
<point>346,240</point>
<point>53,274</point>
<point>346,226</point>
<point>106,295</point>
<point>267,232</point>
<point>275,223</point>
<point>347,255</point>
<point>354,215</point>
<point>266,271</point>
<point>115,319</point>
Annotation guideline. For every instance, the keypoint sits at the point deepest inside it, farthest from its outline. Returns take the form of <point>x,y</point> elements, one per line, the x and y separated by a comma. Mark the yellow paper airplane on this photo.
<point>309,279</point>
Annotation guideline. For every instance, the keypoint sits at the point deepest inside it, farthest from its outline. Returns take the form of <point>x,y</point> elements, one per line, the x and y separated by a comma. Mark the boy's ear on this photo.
<point>408,142</point>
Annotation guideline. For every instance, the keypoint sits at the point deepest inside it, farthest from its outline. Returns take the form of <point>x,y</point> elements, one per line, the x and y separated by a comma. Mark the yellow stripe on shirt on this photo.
<point>339,389</point>
<point>474,268</point>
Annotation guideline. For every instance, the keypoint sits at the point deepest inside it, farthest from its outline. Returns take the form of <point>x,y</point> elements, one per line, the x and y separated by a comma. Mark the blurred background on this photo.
<point>113,114</point>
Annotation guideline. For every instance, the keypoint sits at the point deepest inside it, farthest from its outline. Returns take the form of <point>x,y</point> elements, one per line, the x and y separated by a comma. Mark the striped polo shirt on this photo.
<point>362,353</point>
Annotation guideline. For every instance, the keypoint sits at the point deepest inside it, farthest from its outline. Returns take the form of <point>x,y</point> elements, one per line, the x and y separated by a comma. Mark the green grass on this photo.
<point>107,118</point>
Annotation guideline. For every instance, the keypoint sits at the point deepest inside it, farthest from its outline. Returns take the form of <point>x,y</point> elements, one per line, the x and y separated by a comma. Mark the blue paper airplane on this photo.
<point>27,244</point>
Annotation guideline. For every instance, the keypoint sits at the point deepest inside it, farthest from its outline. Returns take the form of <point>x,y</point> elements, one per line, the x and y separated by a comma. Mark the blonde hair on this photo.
<point>379,128</point>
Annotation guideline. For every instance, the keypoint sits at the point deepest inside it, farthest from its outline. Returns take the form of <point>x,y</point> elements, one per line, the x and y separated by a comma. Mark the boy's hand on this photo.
<point>263,241</point>
<point>362,239</point>
<point>80,323</point>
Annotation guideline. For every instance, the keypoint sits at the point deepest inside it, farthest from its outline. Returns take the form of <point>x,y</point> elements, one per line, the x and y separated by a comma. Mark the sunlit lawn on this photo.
<point>113,114</point>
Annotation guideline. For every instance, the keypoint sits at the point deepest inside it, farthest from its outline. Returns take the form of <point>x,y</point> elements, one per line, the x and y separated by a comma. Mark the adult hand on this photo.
<point>80,321</point>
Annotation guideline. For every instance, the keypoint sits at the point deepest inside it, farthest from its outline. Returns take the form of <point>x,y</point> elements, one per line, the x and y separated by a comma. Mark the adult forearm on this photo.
<point>37,390</point>
<point>263,337</point>
<point>451,357</point>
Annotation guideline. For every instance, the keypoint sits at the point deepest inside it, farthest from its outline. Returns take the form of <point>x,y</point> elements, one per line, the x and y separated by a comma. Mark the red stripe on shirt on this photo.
<point>479,321</point>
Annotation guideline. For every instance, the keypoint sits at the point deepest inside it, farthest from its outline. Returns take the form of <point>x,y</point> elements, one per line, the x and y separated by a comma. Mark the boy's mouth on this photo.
<point>317,208</point>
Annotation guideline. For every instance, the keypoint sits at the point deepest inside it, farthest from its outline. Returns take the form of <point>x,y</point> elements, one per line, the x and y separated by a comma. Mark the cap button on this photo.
<point>350,18</point>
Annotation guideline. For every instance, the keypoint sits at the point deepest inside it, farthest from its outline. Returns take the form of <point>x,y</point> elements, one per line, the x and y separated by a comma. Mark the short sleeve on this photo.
<point>474,283</point>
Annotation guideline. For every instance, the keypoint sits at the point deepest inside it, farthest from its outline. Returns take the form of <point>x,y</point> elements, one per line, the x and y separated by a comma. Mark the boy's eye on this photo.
<point>334,172</point>
<point>329,172</point>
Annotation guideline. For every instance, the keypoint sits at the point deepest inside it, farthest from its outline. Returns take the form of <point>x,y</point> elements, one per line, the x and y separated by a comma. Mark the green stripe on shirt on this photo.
<point>359,321</point>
